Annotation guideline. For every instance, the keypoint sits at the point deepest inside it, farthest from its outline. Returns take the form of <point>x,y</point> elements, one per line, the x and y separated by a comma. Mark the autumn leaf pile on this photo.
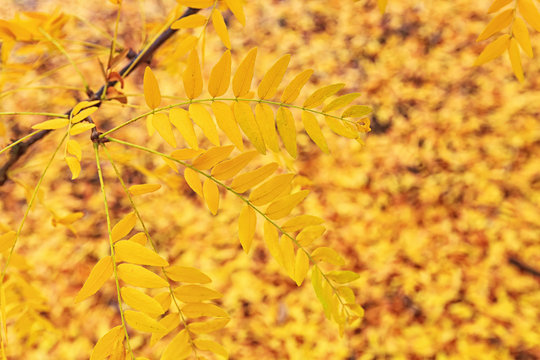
<point>437,212</point>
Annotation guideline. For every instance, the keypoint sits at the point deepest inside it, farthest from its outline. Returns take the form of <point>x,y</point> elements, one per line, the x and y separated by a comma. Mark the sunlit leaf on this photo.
<point>221,28</point>
<point>271,80</point>
<point>499,22</point>
<point>328,255</point>
<point>202,117</point>
<point>187,274</point>
<point>313,129</point>
<point>244,74</point>
<point>180,119</point>
<point>141,189</point>
<point>246,181</point>
<point>226,122</point>
<point>139,276</point>
<point>193,83</point>
<point>247,222</point>
<point>318,96</point>
<point>195,293</point>
<point>521,33</point>
<point>211,195</point>
<point>292,90</point>
<point>163,126</point>
<point>284,205</point>
<point>130,251</point>
<point>152,94</point>
<point>220,77</point>
<point>100,273</point>
<point>246,120</point>
<point>52,124</point>
<point>123,227</point>
<point>138,300</point>
<point>179,348</point>
<point>191,21</point>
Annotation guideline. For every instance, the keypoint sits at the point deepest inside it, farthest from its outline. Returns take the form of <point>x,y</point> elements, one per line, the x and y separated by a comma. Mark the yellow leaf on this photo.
<point>284,205</point>
<point>247,222</point>
<point>287,130</point>
<point>179,348</point>
<point>142,189</point>
<point>229,168</point>
<point>318,96</point>
<point>80,128</point>
<point>100,273</point>
<point>246,181</point>
<point>188,43</point>
<point>340,102</point>
<point>150,129</point>
<point>131,252</point>
<point>151,89</point>
<point>205,327</point>
<point>195,293</point>
<point>187,274</point>
<point>74,166</point>
<point>242,78</point>
<point>342,277</point>
<point>316,281</point>
<point>180,119</point>
<point>382,5</point>
<point>195,310</point>
<point>161,123</point>
<point>311,125</point>
<point>212,346</point>
<point>271,238</point>
<point>499,22</point>
<point>220,77</point>
<point>300,222</point>
<point>213,156</point>
<point>272,79</point>
<point>221,28</point>
<point>519,29</point>
<point>142,322</point>
<point>301,267</point>
<point>287,252</point>
<point>236,7</point>
<point>193,180</point>
<point>192,77</point>
<point>170,322</point>
<point>358,111</point>
<point>513,53</point>
<point>341,127</point>
<point>82,105</point>
<point>497,5</point>
<point>493,50</point>
<point>123,227</point>
<point>139,238</point>
<point>328,255</point>
<point>530,13</point>
<point>52,124</point>
<point>270,189</point>
<point>309,234</point>
<point>196,4</point>
<point>246,120</point>
<point>83,114</point>
<point>164,300</point>
<point>346,294</point>
<point>7,240</point>
<point>264,116</point>
<point>211,195</point>
<point>185,154</point>
<point>74,148</point>
<point>106,344</point>
<point>191,21</point>
<point>292,90</point>
<point>138,300</point>
<point>170,163</point>
<point>138,276</point>
<point>202,117</point>
<point>226,122</point>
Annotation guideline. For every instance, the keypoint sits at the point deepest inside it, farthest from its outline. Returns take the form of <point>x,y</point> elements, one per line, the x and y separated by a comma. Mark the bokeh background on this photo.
<point>438,212</point>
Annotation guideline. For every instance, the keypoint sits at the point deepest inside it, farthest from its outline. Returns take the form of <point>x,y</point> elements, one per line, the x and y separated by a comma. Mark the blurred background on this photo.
<point>438,212</point>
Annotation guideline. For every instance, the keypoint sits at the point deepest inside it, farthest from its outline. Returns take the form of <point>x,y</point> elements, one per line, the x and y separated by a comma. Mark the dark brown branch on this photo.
<point>523,267</point>
<point>143,56</point>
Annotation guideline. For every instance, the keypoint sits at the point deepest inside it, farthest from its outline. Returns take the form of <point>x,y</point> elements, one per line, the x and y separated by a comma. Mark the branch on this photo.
<point>523,267</point>
<point>143,56</point>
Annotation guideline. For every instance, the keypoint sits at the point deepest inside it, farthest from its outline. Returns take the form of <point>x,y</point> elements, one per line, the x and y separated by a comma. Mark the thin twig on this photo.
<point>143,56</point>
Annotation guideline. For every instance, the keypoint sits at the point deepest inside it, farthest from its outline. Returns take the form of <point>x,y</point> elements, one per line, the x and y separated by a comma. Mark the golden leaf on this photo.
<point>236,7</point>
<point>342,277</point>
<point>192,77</point>
<point>318,96</point>
<point>142,322</point>
<point>205,327</point>
<point>309,234</point>
<point>221,28</point>
<point>521,33</point>
<point>187,274</point>
<point>328,255</point>
<point>226,122</point>
<point>74,148</point>
<point>7,240</point>
<point>123,227</point>
<point>292,90</point>
<point>220,77</point>
<point>272,79</point>
<point>271,238</point>
<point>530,13</point>
<point>493,50</point>
<point>497,5</point>
<point>270,189</point>
<point>132,252</point>
<point>212,346</point>
<point>100,273</point>
<point>52,124</point>
<point>107,342</point>
<point>284,205</point>
<point>212,156</point>
<point>311,125</point>
<point>179,347</point>
<point>193,180</point>
<point>161,123</point>
<point>247,222</point>
<point>515,60</point>
<point>211,195</point>
<point>287,252</point>
<point>195,310</point>
<point>180,119</point>
<point>229,168</point>
<point>142,189</point>
<point>246,181</point>
<point>203,119</point>
<point>300,222</point>
<point>264,116</point>
<point>191,21</point>
<point>246,120</point>
<point>80,128</point>
<point>244,74</point>
<point>151,89</point>
<point>195,293</point>
<point>138,276</point>
<point>138,300</point>
<point>74,166</point>
<point>499,22</point>
<point>196,4</point>
<point>83,114</point>
<point>301,267</point>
